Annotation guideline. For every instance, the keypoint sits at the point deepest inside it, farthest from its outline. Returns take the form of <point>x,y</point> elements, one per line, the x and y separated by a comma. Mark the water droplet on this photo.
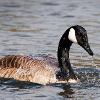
<point>93,62</point>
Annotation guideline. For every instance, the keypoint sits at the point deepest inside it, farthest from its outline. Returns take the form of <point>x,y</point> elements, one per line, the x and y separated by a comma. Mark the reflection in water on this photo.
<point>67,91</point>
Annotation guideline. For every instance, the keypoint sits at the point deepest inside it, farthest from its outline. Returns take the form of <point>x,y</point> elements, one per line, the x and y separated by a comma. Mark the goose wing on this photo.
<point>25,68</point>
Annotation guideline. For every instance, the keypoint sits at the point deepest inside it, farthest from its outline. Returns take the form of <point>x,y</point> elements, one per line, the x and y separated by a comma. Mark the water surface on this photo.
<point>31,27</point>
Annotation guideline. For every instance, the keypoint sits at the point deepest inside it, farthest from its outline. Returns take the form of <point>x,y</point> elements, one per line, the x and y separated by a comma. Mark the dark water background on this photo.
<point>32,27</point>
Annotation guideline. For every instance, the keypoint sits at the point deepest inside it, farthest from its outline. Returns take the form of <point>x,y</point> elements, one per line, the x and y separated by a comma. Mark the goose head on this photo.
<point>77,34</point>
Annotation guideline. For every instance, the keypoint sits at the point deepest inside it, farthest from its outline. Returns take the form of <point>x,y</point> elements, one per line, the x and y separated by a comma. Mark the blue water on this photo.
<point>31,27</point>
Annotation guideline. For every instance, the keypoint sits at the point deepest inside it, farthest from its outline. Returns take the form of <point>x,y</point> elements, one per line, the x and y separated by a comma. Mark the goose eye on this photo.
<point>84,39</point>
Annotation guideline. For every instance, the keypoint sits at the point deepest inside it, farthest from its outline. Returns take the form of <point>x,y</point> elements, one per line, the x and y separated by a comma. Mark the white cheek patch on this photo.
<point>71,35</point>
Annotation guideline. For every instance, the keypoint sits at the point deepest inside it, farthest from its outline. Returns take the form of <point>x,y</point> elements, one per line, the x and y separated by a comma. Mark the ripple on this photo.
<point>69,16</point>
<point>11,5</point>
<point>50,4</point>
<point>24,30</point>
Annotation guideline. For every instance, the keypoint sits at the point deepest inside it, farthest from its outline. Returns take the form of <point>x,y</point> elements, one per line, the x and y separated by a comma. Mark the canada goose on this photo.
<point>35,70</point>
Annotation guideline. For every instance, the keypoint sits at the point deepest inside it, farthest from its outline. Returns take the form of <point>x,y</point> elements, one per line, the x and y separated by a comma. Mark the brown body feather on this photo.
<point>25,68</point>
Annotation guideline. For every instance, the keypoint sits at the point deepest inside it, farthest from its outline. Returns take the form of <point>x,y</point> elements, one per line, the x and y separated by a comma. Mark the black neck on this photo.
<point>63,54</point>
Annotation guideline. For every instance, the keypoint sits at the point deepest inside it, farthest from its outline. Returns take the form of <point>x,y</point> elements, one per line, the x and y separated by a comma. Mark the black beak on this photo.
<point>88,49</point>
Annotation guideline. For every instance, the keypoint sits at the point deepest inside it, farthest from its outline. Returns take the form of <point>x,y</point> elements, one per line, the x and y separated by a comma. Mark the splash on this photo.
<point>93,62</point>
